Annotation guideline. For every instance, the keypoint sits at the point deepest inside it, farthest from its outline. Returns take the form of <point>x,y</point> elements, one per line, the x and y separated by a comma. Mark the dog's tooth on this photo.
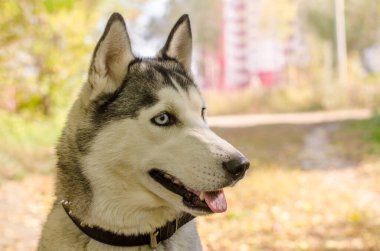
<point>167,176</point>
<point>177,182</point>
<point>202,196</point>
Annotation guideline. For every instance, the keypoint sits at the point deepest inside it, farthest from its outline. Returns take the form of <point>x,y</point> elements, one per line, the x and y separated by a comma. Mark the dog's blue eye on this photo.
<point>164,119</point>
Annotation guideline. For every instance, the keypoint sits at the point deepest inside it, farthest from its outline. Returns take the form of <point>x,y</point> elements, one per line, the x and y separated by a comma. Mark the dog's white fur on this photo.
<point>125,199</point>
<point>124,188</point>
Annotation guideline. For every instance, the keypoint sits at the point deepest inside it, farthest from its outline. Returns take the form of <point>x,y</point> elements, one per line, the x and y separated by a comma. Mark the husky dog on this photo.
<point>136,159</point>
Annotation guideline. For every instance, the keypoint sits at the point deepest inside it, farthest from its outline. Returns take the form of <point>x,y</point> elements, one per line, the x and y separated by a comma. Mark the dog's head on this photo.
<point>146,139</point>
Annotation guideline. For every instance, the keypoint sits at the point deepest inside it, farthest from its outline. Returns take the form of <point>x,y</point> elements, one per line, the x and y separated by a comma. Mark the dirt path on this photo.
<point>318,150</point>
<point>248,120</point>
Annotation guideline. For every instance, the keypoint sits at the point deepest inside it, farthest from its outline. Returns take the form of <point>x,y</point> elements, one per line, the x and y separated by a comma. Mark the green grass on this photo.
<point>27,144</point>
<point>29,130</point>
<point>372,133</point>
<point>359,139</point>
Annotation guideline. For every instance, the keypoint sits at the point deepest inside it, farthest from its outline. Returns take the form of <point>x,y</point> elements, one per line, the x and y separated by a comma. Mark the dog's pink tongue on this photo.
<point>216,201</point>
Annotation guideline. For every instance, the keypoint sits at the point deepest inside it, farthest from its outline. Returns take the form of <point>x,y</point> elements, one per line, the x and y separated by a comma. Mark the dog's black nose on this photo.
<point>236,166</point>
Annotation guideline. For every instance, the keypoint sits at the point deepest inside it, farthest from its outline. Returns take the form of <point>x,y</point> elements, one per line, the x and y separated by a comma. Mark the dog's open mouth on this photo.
<point>210,201</point>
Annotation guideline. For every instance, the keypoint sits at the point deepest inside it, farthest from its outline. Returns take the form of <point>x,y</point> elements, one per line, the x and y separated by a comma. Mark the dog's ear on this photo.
<point>111,58</point>
<point>179,42</point>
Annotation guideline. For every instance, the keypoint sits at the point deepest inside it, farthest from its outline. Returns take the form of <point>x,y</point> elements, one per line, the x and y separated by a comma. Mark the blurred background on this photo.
<point>294,84</point>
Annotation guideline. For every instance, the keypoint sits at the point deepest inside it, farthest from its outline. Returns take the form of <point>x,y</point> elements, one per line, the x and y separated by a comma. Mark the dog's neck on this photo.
<point>118,217</point>
<point>117,209</point>
<point>132,240</point>
<point>131,224</point>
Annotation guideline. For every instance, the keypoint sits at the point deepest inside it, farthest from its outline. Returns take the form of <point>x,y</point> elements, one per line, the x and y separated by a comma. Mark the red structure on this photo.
<point>245,57</point>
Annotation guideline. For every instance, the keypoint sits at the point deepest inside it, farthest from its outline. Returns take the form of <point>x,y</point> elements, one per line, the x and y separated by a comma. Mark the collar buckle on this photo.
<point>153,240</point>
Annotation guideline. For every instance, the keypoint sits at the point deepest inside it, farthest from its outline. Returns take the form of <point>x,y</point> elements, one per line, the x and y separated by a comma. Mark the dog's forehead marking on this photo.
<point>163,71</point>
<point>181,100</point>
<point>144,80</point>
<point>168,73</point>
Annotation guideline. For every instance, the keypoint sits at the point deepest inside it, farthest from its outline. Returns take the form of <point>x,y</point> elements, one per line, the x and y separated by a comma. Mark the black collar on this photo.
<point>114,239</point>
